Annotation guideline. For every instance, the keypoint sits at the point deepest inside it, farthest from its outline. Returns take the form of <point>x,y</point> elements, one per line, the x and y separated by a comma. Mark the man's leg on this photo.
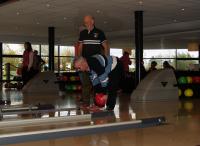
<point>113,86</point>
<point>86,87</point>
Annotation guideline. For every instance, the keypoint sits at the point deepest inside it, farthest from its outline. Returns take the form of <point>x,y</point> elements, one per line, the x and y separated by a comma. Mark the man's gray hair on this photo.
<point>79,59</point>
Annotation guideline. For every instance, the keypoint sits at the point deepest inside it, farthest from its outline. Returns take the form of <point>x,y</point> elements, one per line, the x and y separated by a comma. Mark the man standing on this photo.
<point>105,75</point>
<point>91,41</point>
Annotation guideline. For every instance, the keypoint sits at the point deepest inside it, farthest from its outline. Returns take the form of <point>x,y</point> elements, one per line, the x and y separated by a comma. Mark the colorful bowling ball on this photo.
<point>179,92</point>
<point>182,80</point>
<point>188,92</point>
<point>100,100</point>
<point>189,80</point>
<point>64,78</point>
<point>74,87</point>
<point>196,79</point>
<point>188,106</point>
<point>77,78</point>
<point>61,78</point>
<point>79,87</point>
<point>71,78</point>
<point>68,87</point>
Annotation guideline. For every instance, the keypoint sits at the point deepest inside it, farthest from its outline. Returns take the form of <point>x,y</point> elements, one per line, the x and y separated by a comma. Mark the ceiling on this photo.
<point>172,22</point>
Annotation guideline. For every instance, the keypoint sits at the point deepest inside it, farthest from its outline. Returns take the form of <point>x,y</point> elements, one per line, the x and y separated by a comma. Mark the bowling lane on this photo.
<point>70,101</point>
<point>182,129</point>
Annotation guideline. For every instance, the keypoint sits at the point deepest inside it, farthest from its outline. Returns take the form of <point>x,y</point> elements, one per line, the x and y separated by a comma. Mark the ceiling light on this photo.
<point>182,9</point>
<point>65,18</point>
<point>98,11</point>
<point>105,22</point>
<point>37,23</point>
<point>47,5</point>
<point>140,2</point>
<point>17,13</point>
<point>175,20</point>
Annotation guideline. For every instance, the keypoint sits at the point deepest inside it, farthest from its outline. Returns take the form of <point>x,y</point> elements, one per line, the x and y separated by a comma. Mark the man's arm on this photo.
<point>30,60</point>
<point>106,48</point>
<point>104,43</point>
<point>96,69</point>
<point>80,46</point>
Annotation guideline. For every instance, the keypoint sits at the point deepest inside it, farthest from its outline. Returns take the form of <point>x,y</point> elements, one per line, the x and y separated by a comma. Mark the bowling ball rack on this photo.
<point>69,81</point>
<point>188,80</point>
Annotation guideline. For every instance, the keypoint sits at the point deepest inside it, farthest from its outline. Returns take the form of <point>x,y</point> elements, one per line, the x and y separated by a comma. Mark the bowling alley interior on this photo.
<point>151,63</point>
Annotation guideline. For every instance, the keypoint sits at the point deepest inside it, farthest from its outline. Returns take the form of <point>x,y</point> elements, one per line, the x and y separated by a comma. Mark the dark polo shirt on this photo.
<point>92,42</point>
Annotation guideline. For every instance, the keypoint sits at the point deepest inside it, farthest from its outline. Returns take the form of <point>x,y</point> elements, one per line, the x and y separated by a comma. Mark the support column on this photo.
<point>138,45</point>
<point>1,61</point>
<point>199,57</point>
<point>51,39</point>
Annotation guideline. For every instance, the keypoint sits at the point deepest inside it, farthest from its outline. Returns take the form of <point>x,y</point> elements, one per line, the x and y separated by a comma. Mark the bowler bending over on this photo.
<point>105,75</point>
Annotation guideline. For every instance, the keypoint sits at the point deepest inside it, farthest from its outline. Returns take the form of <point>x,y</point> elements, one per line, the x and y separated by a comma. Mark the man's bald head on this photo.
<point>81,64</point>
<point>89,22</point>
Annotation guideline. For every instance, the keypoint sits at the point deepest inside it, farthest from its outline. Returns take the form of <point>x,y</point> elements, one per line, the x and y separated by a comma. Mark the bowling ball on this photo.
<point>67,87</point>
<point>64,78</point>
<point>188,92</point>
<point>77,78</point>
<point>196,79</point>
<point>189,80</point>
<point>61,78</point>
<point>74,87</point>
<point>188,106</point>
<point>182,80</point>
<point>78,87</point>
<point>179,92</point>
<point>72,78</point>
<point>100,101</point>
<point>70,87</point>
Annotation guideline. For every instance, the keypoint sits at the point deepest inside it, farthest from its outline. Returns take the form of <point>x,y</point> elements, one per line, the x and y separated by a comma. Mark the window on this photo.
<point>187,64</point>
<point>159,53</point>
<point>14,64</point>
<point>44,50</point>
<point>184,53</point>
<point>132,55</point>
<point>147,62</point>
<point>64,56</point>
<point>132,66</point>
<point>67,51</point>
<point>13,49</point>
<point>116,52</point>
